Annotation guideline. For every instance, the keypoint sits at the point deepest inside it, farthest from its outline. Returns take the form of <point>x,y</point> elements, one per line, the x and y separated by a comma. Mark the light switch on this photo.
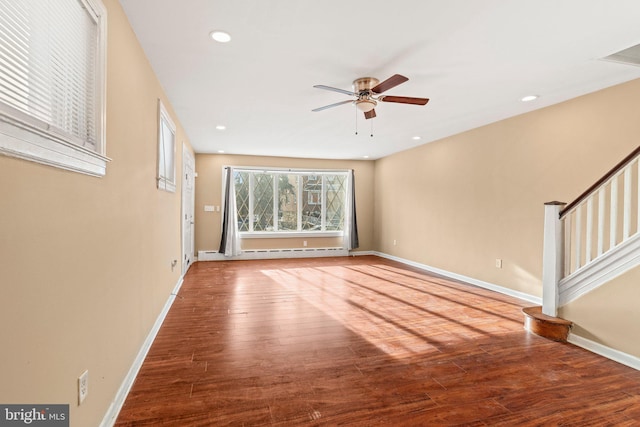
<point>209,208</point>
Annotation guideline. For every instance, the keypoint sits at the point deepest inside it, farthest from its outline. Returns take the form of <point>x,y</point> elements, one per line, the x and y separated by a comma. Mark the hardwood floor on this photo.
<point>363,341</point>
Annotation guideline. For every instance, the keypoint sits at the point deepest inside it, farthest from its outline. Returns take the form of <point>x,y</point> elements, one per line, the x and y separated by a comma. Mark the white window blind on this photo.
<point>52,78</point>
<point>166,150</point>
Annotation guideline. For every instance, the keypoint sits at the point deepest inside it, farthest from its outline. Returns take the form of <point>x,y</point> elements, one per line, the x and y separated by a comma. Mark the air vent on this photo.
<point>629,56</point>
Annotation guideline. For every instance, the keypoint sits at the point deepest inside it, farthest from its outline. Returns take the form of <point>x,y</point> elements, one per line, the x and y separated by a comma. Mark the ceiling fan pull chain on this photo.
<point>371,128</point>
<point>356,120</point>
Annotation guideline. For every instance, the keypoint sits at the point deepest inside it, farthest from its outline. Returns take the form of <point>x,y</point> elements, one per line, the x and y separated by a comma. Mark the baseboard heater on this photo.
<point>275,254</point>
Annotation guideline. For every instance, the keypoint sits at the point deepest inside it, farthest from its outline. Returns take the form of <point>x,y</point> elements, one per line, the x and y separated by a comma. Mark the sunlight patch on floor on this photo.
<point>381,307</point>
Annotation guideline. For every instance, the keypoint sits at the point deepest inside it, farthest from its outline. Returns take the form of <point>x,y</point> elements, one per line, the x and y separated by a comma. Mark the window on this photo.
<point>52,83</point>
<point>166,150</point>
<point>290,202</point>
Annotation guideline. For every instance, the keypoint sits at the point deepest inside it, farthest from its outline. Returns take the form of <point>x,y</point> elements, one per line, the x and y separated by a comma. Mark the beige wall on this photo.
<point>609,315</point>
<point>86,261</point>
<point>209,192</point>
<point>459,203</point>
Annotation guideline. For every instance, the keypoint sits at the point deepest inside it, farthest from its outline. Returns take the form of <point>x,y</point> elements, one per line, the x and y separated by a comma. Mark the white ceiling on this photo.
<point>474,59</point>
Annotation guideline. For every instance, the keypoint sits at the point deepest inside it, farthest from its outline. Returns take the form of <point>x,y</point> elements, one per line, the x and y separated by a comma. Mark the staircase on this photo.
<point>588,242</point>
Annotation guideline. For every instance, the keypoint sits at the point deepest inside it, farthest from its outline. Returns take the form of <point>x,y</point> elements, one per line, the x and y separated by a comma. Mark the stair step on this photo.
<point>550,327</point>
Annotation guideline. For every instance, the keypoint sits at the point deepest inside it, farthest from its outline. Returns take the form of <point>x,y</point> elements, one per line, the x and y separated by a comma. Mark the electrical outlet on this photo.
<point>83,386</point>
<point>498,263</point>
<point>304,243</point>
<point>394,242</point>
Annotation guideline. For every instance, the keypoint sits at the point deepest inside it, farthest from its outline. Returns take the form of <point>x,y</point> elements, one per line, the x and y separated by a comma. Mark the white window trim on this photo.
<point>27,138</point>
<point>278,234</point>
<point>165,183</point>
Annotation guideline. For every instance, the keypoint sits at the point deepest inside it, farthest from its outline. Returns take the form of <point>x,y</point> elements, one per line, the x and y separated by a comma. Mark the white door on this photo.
<point>188,202</point>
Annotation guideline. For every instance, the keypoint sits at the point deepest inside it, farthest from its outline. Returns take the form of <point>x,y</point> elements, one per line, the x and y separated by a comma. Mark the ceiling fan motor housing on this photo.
<point>364,84</point>
<point>362,87</point>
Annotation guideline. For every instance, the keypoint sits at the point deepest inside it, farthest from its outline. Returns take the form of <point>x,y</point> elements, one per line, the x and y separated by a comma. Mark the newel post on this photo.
<point>552,257</point>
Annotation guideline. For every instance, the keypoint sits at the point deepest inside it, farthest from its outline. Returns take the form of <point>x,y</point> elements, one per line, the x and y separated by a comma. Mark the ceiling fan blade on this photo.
<point>335,89</point>
<point>391,82</point>
<point>370,114</point>
<point>333,105</point>
<point>404,100</point>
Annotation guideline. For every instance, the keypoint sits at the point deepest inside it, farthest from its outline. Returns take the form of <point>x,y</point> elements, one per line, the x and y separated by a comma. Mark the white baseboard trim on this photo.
<point>362,253</point>
<point>114,409</point>
<point>608,352</point>
<point>470,280</point>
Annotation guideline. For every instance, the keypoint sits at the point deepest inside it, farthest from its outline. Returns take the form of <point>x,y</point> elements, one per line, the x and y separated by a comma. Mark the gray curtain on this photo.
<point>230,238</point>
<point>351,224</point>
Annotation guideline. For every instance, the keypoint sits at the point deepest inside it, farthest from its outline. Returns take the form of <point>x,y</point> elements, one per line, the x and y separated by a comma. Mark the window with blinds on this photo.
<point>166,150</point>
<point>52,82</point>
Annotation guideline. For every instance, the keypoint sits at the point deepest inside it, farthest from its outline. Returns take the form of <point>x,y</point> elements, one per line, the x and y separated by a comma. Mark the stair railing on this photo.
<point>580,234</point>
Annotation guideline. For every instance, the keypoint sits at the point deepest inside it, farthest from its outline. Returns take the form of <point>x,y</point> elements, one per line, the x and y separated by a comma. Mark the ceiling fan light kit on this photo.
<point>365,105</point>
<point>368,90</point>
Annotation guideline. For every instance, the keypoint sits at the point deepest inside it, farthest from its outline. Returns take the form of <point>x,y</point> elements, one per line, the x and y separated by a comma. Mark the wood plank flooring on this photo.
<point>363,341</point>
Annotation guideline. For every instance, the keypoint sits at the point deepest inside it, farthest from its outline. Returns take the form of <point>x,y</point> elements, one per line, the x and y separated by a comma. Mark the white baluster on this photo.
<point>638,194</point>
<point>578,237</point>
<point>613,217</point>
<point>567,226</point>
<point>588,231</point>
<point>626,214</point>
<point>601,193</point>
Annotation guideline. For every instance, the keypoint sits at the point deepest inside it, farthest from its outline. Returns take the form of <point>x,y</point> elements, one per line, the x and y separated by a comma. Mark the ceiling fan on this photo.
<point>367,91</point>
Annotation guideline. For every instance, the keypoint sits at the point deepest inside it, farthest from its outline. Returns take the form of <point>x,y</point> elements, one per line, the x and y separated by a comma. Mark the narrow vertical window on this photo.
<point>335,202</point>
<point>242,199</point>
<point>312,207</point>
<point>263,202</point>
<point>287,202</point>
<point>166,150</point>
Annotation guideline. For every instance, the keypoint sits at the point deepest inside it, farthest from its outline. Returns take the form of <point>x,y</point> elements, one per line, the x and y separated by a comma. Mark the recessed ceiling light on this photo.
<point>365,157</point>
<point>416,138</point>
<point>220,151</point>
<point>221,127</point>
<point>220,36</point>
<point>529,98</point>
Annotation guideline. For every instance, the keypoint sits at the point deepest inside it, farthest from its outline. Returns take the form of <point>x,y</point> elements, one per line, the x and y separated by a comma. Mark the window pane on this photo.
<point>166,150</point>
<point>263,202</point>
<point>288,202</point>
<point>336,191</point>
<point>242,199</point>
<point>167,144</point>
<point>48,71</point>
<point>311,202</point>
